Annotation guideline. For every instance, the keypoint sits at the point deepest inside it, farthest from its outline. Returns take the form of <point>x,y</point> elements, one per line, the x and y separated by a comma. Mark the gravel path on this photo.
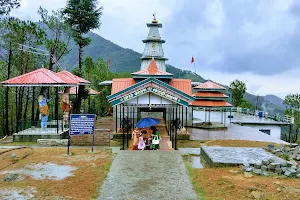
<point>147,175</point>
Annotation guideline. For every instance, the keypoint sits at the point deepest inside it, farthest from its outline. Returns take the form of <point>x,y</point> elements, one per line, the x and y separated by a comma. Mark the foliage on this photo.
<point>58,33</point>
<point>292,101</point>
<point>238,90</point>
<point>82,16</point>
<point>7,5</point>
<point>245,104</point>
<point>285,156</point>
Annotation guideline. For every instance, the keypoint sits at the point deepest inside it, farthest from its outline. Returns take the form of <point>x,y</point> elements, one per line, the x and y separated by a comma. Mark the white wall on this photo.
<point>275,130</point>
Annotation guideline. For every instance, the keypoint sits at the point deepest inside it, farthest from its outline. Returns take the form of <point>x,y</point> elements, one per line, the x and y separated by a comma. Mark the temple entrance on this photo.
<point>159,113</point>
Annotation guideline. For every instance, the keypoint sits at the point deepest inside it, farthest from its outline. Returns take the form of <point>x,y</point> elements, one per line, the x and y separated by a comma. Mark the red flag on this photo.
<point>108,63</point>
<point>192,59</point>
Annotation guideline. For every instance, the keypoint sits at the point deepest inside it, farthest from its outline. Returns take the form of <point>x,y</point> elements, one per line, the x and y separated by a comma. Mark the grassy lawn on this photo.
<point>19,144</point>
<point>90,170</point>
<point>219,183</point>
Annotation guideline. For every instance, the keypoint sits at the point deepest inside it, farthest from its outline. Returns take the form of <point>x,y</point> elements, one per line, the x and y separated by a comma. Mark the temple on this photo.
<point>154,92</point>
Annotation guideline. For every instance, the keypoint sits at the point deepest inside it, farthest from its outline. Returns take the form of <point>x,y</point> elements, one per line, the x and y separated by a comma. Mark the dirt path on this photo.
<point>147,175</point>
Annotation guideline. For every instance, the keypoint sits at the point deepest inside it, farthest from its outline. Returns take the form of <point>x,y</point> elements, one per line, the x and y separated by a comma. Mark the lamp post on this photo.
<point>231,104</point>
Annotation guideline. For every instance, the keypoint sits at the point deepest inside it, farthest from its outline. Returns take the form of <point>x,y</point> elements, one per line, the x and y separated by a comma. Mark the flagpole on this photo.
<point>195,66</point>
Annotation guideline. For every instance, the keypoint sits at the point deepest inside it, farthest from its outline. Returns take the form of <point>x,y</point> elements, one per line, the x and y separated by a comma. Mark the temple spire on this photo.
<point>153,46</point>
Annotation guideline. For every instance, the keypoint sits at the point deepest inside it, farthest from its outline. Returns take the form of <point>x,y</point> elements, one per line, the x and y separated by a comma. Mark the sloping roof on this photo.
<point>209,94</point>
<point>210,85</point>
<point>152,69</point>
<point>183,85</point>
<point>39,77</point>
<point>121,84</point>
<point>205,103</point>
<point>80,80</point>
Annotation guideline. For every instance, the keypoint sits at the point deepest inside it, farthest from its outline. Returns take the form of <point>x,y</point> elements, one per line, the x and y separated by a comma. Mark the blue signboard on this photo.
<point>82,124</point>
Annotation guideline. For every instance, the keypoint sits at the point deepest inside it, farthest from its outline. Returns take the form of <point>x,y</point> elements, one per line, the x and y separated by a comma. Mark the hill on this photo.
<point>275,100</point>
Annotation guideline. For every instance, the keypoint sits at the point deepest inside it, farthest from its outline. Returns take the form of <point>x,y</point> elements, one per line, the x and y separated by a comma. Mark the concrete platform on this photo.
<point>215,156</point>
<point>234,132</point>
<point>31,135</point>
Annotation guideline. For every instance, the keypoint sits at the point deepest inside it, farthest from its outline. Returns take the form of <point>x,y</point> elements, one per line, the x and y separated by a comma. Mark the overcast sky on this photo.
<point>256,41</point>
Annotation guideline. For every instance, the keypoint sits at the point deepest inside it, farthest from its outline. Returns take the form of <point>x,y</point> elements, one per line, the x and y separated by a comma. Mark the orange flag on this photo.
<point>192,59</point>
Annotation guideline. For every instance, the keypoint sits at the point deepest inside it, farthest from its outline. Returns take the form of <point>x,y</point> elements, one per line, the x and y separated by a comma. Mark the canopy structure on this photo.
<point>79,80</point>
<point>39,77</point>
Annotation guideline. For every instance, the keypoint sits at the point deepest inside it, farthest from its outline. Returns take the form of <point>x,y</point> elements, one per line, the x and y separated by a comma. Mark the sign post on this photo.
<point>81,124</point>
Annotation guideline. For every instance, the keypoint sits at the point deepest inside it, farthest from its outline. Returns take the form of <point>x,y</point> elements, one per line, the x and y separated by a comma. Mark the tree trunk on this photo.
<point>80,57</point>
<point>26,105</point>
<point>7,90</point>
<point>17,111</point>
<point>32,105</point>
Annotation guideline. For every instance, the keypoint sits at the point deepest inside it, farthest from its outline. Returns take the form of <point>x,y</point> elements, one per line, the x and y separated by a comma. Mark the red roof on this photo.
<point>184,85</point>
<point>210,85</point>
<point>37,77</point>
<point>205,103</point>
<point>209,94</point>
<point>121,84</point>
<point>74,77</point>
<point>152,69</point>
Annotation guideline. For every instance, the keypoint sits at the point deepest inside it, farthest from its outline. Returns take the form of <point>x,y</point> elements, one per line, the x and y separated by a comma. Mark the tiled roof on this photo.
<point>38,77</point>
<point>184,85</point>
<point>210,85</point>
<point>209,94</point>
<point>74,77</point>
<point>121,84</point>
<point>152,69</point>
<point>205,103</point>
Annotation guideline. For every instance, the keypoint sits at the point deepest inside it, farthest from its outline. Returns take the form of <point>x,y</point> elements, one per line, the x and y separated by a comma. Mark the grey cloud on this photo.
<point>255,36</point>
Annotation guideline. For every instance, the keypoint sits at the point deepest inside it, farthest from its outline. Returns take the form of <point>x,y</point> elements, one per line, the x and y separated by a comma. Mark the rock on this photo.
<point>278,171</point>
<point>234,171</point>
<point>265,162</point>
<point>283,176</point>
<point>298,171</point>
<point>271,160</point>
<point>257,165</point>
<point>257,195</point>
<point>278,153</point>
<point>289,164</point>
<point>272,165</point>
<point>278,189</point>
<point>284,169</point>
<point>294,167</point>
<point>286,149</point>
<point>277,165</point>
<point>270,147</point>
<point>293,145</point>
<point>257,171</point>
<point>249,169</point>
<point>248,175</point>
<point>264,168</point>
<point>298,157</point>
<point>298,176</point>
<point>52,142</point>
<point>265,173</point>
<point>294,163</point>
<point>13,155</point>
<point>288,174</point>
<point>11,177</point>
<point>246,165</point>
<point>284,164</point>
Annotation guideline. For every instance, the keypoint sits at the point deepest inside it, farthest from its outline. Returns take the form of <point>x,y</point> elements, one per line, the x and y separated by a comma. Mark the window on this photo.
<point>267,131</point>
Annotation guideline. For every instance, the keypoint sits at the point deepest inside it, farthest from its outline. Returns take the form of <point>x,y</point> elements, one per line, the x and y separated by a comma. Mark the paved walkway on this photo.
<point>147,175</point>
<point>235,132</point>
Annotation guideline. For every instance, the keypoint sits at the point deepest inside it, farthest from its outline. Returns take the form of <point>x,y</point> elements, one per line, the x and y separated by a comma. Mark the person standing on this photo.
<point>155,138</point>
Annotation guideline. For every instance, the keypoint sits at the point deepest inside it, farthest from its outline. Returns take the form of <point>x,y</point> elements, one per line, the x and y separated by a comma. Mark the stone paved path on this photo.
<point>147,175</point>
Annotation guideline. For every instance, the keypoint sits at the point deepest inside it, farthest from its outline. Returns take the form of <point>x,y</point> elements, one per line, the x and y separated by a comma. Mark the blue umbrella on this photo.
<point>147,122</point>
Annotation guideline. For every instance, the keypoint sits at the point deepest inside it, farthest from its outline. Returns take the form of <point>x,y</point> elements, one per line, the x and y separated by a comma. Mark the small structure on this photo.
<point>209,96</point>
<point>41,78</point>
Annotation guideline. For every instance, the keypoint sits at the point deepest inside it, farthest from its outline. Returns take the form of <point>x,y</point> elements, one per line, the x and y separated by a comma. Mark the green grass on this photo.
<point>199,190</point>
<point>107,168</point>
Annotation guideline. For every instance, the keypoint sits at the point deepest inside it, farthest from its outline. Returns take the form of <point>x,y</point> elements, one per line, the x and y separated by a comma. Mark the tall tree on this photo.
<point>238,90</point>
<point>292,103</point>
<point>58,36</point>
<point>82,16</point>
<point>7,5</point>
<point>16,32</point>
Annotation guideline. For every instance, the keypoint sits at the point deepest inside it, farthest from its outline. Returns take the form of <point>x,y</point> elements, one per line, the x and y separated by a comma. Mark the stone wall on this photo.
<point>102,138</point>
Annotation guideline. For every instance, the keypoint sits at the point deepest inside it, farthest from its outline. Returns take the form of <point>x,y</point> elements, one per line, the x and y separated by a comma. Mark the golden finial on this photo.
<point>154,21</point>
